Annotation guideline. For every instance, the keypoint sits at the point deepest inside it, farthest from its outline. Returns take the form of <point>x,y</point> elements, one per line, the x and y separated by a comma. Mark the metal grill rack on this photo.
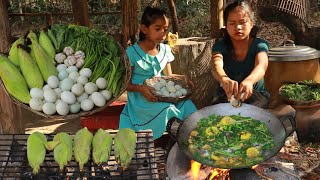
<point>14,163</point>
<point>298,8</point>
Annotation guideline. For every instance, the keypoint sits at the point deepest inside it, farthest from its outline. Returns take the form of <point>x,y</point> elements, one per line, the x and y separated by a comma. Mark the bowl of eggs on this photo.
<point>169,89</point>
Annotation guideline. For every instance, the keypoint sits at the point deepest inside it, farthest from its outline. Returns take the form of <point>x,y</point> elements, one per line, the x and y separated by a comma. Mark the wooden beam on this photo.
<point>5,34</point>
<point>80,11</point>
<point>129,21</point>
<point>216,9</point>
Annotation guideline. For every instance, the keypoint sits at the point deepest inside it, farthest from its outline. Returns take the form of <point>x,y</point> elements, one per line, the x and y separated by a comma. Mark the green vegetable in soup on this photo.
<point>230,141</point>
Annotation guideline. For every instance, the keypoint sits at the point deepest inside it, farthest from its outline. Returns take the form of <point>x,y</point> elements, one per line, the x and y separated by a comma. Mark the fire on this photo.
<point>199,172</point>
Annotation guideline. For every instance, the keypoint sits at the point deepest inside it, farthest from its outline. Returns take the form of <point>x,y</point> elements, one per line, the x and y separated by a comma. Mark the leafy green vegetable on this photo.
<point>301,92</point>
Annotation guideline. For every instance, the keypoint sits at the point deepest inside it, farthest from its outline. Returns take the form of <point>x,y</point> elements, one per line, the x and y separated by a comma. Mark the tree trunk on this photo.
<point>5,35</point>
<point>172,8</point>
<point>216,9</point>
<point>193,59</point>
<point>302,32</point>
<point>81,12</point>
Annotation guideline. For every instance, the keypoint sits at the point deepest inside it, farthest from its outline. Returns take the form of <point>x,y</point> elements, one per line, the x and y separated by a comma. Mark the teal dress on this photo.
<point>139,113</point>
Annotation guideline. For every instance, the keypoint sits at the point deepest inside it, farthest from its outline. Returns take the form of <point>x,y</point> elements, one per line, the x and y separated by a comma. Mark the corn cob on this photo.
<point>63,151</point>
<point>13,53</point>
<point>45,64</point>
<point>124,147</point>
<point>82,146</point>
<point>47,45</point>
<point>101,146</point>
<point>36,150</point>
<point>13,80</point>
<point>29,69</point>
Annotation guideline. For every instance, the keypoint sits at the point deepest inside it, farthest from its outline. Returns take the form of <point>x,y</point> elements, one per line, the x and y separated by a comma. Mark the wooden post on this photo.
<point>216,9</point>
<point>5,34</point>
<point>81,12</point>
<point>129,21</point>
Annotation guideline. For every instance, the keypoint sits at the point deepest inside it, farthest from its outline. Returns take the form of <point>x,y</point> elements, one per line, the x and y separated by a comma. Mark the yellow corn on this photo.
<point>47,45</point>
<point>13,80</point>
<point>30,70</point>
<point>13,53</point>
<point>36,150</point>
<point>101,146</point>
<point>45,64</point>
<point>82,146</point>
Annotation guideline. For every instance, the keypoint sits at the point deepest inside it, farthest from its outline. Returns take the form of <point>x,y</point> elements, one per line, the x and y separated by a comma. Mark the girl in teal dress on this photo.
<point>240,59</point>
<point>148,58</point>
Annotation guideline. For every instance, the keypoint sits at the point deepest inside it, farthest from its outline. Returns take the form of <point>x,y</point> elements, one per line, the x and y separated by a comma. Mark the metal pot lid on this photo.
<point>291,52</point>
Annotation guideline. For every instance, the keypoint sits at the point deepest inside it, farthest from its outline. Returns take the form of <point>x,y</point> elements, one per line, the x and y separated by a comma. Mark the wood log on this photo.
<point>5,35</point>
<point>193,59</point>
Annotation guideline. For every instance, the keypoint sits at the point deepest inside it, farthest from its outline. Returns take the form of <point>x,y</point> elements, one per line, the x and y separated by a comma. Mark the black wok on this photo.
<point>279,128</point>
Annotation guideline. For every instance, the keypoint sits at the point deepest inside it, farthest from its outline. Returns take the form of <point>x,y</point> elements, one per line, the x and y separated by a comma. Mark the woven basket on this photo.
<point>126,78</point>
<point>152,81</point>
<point>297,102</point>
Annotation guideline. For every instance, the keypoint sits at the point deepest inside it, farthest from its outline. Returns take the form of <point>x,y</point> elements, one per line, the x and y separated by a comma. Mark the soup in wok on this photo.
<point>230,141</point>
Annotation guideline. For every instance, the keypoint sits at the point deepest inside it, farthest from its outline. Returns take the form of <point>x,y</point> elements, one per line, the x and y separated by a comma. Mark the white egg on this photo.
<point>179,93</point>
<point>163,89</point>
<point>172,94</point>
<point>166,93</point>
<point>163,82</point>
<point>49,108</point>
<point>50,95</point>
<point>63,74</point>
<point>53,81</point>
<point>183,91</point>
<point>36,93</point>
<point>158,92</point>
<point>36,104</point>
<point>177,86</point>
<point>62,108</point>
<point>171,83</point>
<point>158,86</point>
<point>75,108</point>
<point>171,88</point>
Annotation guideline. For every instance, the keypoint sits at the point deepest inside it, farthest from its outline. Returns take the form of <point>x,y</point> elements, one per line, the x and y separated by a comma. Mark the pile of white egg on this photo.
<point>169,89</point>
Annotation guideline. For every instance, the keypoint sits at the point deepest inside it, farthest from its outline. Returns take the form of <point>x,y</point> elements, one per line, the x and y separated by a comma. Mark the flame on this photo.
<point>195,169</point>
<point>197,173</point>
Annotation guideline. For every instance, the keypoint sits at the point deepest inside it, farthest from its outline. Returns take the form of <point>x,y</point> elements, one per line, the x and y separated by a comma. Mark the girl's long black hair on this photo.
<point>247,8</point>
<point>149,16</point>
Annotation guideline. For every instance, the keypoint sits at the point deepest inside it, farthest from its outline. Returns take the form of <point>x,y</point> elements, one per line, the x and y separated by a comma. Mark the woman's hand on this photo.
<point>146,92</point>
<point>246,87</point>
<point>230,87</point>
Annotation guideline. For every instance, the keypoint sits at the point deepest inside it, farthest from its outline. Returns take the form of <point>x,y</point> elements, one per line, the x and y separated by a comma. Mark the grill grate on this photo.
<point>14,163</point>
<point>298,8</point>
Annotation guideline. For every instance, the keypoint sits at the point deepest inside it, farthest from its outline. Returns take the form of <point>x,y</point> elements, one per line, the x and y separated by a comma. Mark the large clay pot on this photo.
<point>290,63</point>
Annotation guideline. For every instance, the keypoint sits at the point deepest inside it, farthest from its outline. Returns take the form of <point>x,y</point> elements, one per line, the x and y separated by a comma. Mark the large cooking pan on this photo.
<point>279,128</point>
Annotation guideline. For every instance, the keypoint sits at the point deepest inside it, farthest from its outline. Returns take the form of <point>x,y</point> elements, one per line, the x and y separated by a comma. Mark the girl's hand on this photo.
<point>246,87</point>
<point>146,92</point>
<point>230,87</point>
